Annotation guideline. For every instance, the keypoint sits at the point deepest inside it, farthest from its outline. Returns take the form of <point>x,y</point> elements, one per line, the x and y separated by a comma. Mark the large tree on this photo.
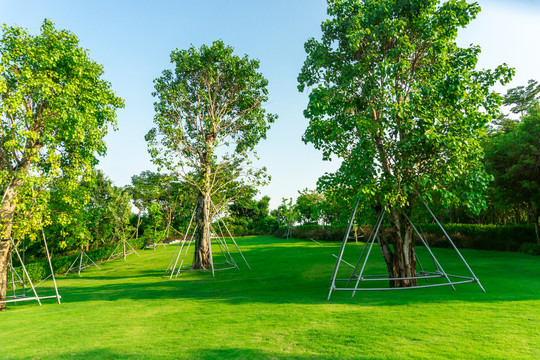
<point>55,109</point>
<point>209,117</point>
<point>513,155</point>
<point>394,97</point>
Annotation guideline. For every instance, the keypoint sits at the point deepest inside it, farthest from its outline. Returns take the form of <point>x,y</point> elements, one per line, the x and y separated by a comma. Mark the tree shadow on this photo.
<point>302,276</point>
<point>224,353</point>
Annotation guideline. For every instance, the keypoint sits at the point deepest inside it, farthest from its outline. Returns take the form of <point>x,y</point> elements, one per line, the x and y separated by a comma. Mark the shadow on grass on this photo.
<point>229,353</point>
<point>290,271</point>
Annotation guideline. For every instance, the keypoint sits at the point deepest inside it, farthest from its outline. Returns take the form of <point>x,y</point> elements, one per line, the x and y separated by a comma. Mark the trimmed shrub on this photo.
<point>467,236</point>
<point>530,248</point>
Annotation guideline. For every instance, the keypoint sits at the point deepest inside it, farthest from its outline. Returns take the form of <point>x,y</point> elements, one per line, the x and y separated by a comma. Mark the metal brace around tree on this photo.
<point>359,277</point>
<point>14,298</point>
<point>180,253</point>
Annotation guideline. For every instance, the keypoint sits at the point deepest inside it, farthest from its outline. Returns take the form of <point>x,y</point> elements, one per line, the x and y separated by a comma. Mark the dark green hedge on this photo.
<point>468,236</point>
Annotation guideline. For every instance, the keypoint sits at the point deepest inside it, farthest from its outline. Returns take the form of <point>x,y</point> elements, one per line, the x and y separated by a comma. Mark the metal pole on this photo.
<point>232,238</point>
<point>181,245</point>
<point>50,265</point>
<point>25,272</point>
<point>342,250</point>
<point>369,251</point>
<point>424,236</point>
<point>211,258</point>
<point>429,249</point>
<point>12,269</point>
<point>453,245</point>
<point>185,254</point>
<point>365,246</point>
<point>92,261</point>
<point>114,252</point>
<point>80,263</point>
<point>135,251</point>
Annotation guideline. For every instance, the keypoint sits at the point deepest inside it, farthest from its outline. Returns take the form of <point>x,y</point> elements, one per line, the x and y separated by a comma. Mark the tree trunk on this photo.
<point>138,224</point>
<point>201,259</point>
<point>400,258</point>
<point>6,217</point>
<point>537,226</point>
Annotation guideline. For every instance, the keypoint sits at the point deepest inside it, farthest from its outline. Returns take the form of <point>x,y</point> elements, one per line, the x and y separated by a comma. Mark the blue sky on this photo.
<point>133,41</point>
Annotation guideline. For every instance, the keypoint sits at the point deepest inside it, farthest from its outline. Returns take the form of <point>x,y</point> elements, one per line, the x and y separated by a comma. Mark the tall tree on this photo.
<point>55,110</point>
<point>522,98</point>
<point>403,106</point>
<point>212,99</point>
<point>513,157</point>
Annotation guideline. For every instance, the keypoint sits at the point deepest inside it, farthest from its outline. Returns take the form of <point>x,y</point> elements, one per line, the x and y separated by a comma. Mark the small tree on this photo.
<point>212,99</point>
<point>55,110</point>
<point>403,106</point>
<point>309,205</point>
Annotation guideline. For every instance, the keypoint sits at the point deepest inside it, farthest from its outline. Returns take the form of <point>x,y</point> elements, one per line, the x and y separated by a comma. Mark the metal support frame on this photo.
<point>356,277</point>
<point>123,253</point>
<point>82,264</point>
<point>16,279</point>
<point>174,269</point>
<point>288,232</point>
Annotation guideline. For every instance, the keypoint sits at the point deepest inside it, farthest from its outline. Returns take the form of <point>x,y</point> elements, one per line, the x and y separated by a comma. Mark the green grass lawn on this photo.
<point>278,310</point>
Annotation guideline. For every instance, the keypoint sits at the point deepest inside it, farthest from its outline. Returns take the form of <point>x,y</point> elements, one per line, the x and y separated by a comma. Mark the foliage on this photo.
<point>513,157</point>
<point>286,213</point>
<point>163,202</point>
<point>251,214</point>
<point>403,106</point>
<point>309,205</point>
<point>523,98</point>
<point>393,93</point>
<point>211,99</point>
<point>530,248</point>
<point>465,236</point>
<point>55,110</point>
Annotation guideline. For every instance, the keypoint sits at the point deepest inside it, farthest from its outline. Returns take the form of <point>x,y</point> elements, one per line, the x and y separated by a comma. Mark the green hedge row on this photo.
<point>40,270</point>
<point>468,236</point>
<point>481,237</point>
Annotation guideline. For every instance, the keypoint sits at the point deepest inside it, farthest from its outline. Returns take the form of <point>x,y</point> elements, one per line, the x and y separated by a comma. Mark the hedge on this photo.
<point>467,236</point>
<point>40,270</point>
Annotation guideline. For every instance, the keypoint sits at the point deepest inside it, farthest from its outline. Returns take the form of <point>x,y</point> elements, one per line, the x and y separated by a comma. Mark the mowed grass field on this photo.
<point>278,310</point>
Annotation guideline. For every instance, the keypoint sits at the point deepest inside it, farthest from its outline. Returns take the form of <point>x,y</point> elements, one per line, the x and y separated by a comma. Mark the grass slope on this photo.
<point>278,310</point>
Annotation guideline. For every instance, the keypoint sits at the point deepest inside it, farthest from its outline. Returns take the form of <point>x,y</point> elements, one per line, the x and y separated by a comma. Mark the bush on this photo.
<point>530,248</point>
<point>480,237</point>
<point>467,236</point>
<point>314,232</point>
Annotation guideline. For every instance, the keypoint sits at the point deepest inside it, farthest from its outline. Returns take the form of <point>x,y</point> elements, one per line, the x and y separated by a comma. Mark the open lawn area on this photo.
<point>278,310</point>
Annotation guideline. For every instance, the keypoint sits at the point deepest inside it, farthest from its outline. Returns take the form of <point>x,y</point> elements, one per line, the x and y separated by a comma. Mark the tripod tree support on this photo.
<point>82,263</point>
<point>357,276</point>
<point>175,268</point>
<point>124,252</point>
<point>17,279</point>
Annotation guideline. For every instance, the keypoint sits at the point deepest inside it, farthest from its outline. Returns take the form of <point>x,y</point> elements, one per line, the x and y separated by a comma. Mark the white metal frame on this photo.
<point>82,263</point>
<point>352,283</point>
<point>14,298</point>
<point>173,269</point>
<point>123,253</point>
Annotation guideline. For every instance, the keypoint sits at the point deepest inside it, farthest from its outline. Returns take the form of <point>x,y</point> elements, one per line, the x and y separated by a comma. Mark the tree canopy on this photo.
<point>55,109</point>
<point>392,94</point>
<point>209,117</point>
